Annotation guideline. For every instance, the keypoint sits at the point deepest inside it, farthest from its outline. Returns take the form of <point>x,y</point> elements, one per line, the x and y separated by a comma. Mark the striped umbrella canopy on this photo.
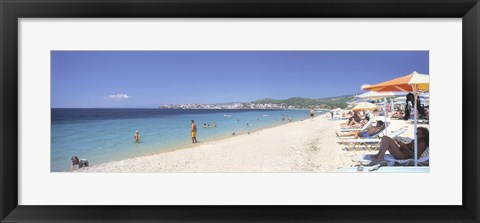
<point>406,83</point>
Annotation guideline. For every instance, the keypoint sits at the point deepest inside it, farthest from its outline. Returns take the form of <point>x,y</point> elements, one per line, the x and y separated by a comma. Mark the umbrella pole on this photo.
<point>385,113</point>
<point>415,90</point>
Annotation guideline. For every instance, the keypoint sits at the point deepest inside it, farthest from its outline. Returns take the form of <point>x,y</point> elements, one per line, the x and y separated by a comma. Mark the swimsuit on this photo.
<point>365,135</point>
<point>194,134</point>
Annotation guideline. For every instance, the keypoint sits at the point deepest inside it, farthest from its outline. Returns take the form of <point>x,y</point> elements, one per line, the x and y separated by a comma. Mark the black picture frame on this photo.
<point>12,10</point>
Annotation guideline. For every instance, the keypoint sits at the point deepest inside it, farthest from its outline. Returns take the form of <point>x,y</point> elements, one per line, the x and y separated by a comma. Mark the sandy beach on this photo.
<point>302,146</point>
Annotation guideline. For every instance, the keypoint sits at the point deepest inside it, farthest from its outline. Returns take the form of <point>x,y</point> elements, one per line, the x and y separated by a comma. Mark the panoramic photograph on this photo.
<point>240,111</point>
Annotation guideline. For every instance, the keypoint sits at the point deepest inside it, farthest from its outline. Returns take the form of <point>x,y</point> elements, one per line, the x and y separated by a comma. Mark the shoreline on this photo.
<point>296,147</point>
<point>157,135</point>
<point>221,148</point>
<point>193,145</point>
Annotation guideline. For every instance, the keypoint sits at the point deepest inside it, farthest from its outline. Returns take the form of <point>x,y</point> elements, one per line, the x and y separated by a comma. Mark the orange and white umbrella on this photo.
<point>410,83</point>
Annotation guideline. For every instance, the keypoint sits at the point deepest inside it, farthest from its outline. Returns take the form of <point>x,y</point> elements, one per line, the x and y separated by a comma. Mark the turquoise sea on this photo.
<point>104,135</point>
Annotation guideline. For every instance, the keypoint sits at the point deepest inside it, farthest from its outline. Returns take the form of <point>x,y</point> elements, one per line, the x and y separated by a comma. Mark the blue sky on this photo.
<point>90,79</point>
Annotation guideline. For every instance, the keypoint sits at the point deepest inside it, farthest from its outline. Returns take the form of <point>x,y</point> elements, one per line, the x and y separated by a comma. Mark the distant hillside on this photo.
<point>327,103</point>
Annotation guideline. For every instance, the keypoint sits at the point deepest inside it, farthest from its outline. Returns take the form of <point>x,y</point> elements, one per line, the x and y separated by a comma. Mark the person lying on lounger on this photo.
<point>400,150</point>
<point>398,114</point>
<point>370,131</point>
<point>355,120</point>
<point>361,123</point>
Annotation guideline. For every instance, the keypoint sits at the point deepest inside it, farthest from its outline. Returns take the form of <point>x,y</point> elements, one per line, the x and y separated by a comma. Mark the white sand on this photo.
<point>303,146</point>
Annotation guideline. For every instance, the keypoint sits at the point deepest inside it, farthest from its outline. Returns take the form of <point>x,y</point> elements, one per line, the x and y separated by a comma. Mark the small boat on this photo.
<point>227,115</point>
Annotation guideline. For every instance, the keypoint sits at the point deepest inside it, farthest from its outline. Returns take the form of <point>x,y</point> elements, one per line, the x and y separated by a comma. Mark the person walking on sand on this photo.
<point>136,137</point>
<point>312,113</point>
<point>194,132</point>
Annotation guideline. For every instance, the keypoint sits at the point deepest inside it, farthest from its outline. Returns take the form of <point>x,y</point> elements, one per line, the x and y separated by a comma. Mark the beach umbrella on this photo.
<point>410,83</point>
<point>424,101</point>
<point>403,98</point>
<point>379,95</point>
<point>424,98</point>
<point>360,100</point>
<point>425,95</point>
<point>413,82</point>
<point>365,106</point>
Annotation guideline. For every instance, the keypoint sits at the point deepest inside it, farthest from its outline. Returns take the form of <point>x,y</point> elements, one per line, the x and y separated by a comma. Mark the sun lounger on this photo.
<point>368,143</point>
<point>396,133</point>
<point>420,121</point>
<point>348,129</point>
<point>423,160</point>
<point>377,135</point>
<point>353,144</point>
<point>366,160</point>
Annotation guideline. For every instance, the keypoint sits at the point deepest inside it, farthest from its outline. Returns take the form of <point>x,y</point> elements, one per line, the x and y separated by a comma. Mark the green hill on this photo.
<point>298,102</point>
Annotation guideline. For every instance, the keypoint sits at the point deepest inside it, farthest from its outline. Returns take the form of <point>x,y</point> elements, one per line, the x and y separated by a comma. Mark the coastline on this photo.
<point>300,146</point>
<point>201,142</point>
<point>104,135</point>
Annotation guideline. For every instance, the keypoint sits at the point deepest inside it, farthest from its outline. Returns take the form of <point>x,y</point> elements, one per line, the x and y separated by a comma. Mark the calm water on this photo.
<point>103,135</point>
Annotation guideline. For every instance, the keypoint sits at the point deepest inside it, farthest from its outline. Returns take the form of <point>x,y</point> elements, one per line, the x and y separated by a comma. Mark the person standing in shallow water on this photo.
<point>194,132</point>
<point>136,136</point>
